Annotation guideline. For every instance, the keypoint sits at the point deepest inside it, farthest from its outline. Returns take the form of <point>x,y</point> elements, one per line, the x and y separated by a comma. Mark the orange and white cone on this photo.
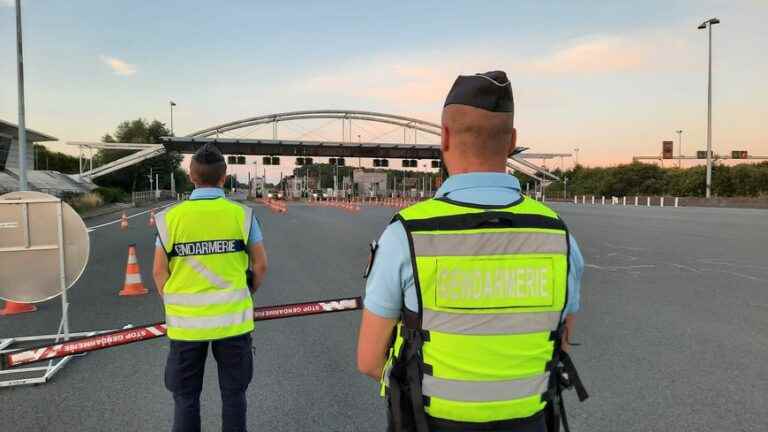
<point>124,221</point>
<point>14,308</point>
<point>151,217</point>
<point>133,285</point>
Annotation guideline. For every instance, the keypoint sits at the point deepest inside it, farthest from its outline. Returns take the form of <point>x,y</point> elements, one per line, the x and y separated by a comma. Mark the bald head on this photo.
<point>476,140</point>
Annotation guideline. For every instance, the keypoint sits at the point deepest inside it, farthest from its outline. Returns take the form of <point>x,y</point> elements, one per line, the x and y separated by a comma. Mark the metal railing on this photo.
<point>153,195</point>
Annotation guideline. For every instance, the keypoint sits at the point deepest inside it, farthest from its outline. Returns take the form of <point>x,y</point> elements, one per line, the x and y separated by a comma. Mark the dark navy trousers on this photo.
<point>184,378</point>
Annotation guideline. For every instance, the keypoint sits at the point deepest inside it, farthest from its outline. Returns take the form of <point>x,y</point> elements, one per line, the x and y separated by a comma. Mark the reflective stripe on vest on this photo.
<point>499,243</point>
<point>207,322</point>
<point>206,296</point>
<point>489,324</point>
<point>492,285</point>
<point>488,391</point>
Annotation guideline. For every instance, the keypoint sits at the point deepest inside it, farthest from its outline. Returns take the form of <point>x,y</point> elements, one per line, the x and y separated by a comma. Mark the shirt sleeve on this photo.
<point>255,236</point>
<point>574,278</point>
<point>390,273</point>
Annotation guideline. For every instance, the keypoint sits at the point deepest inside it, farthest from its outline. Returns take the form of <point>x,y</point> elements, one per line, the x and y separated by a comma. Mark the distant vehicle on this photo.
<point>319,195</point>
<point>273,194</point>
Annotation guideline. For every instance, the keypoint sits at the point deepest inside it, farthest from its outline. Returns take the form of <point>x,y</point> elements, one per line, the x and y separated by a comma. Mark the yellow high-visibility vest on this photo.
<point>206,296</point>
<point>492,286</point>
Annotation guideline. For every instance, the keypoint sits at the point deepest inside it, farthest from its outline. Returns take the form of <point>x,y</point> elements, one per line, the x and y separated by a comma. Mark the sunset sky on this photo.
<point>613,78</point>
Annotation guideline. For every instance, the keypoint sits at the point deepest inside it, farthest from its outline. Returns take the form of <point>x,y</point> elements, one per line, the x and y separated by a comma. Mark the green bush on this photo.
<point>111,194</point>
<point>84,202</point>
<point>744,180</point>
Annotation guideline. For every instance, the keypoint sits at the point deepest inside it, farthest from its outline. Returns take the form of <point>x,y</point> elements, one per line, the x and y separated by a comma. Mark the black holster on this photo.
<point>405,404</point>
<point>564,377</point>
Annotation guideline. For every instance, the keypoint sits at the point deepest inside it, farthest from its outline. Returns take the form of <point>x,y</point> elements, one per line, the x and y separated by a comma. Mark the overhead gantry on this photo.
<point>274,146</point>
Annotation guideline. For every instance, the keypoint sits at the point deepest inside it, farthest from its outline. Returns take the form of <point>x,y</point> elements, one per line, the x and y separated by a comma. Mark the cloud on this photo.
<point>595,55</point>
<point>419,80</point>
<point>119,67</point>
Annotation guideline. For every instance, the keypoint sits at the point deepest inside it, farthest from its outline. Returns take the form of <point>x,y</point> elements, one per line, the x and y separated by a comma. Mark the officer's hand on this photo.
<point>249,281</point>
<point>565,339</point>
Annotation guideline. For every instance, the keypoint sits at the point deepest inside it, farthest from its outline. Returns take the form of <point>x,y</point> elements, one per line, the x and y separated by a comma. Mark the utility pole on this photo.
<point>708,25</point>
<point>576,157</point>
<point>23,184</point>
<point>679,148</point>
<point>565,188</point>
<point>172,104</point>
<point>151,181</point>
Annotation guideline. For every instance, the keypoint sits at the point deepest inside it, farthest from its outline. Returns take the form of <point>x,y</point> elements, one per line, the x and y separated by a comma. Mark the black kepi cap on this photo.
<point>208,154</point>
<point>490,91</point>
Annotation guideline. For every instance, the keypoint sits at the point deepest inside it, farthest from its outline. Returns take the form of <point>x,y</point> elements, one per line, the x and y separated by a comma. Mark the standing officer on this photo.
<point>480,283</point>
<point>205,247</point>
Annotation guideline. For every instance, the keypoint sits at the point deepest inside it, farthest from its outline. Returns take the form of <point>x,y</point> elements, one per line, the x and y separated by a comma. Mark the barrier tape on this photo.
<point>152,331</point>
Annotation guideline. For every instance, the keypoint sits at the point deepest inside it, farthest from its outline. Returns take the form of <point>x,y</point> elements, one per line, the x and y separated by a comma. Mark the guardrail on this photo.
<point>635,201</point>
<point>153,195</point>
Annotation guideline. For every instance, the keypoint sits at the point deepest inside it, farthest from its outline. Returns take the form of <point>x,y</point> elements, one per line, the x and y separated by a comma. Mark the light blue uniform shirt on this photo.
<point>255,235</point>
<point>391,276</point>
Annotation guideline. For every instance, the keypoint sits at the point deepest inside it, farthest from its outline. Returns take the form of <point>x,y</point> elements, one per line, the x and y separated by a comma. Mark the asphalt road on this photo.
<point>674,327</point>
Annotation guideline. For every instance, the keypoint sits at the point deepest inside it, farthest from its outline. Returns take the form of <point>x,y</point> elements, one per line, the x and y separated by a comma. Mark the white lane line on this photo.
<point>623,247</point>
<point>685,267</point>
<point>616,268</point>
<point>722,262</point>
<point>741,275</point>
<point>95,227</point>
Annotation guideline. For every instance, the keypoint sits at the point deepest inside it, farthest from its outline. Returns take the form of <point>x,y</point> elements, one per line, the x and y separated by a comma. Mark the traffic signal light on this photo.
<point>231,160</point>
<point>436,164</point>
<point>241,160</point>
<point>376,163</point>
<point>266,160</point>
<point>307,161</point>
<point>300,161</point>
<point>337,161</point>
<point>409,163</point>
<point>275,160</point>
<point>739,154</point>
<point>385,162</point>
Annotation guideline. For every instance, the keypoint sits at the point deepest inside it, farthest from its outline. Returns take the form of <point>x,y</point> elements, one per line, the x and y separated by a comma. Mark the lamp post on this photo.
<point>172,104</point>
<point>708,25</point>
<point>565,188</point>
<point>23,185</point>
<point>576,157</point>
<point>679,148</point>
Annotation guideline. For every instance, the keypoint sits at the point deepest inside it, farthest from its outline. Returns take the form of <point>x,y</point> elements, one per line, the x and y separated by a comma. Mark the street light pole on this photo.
<point>23,185</point>
<point>708,25</point>
<point>172,104</point>
<point>576,157</point>
<point>680,148</point>
<point>565,188</point>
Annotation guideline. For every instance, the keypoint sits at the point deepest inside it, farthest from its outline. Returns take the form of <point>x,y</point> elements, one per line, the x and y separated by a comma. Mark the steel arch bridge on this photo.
<point>275,146</point>
<point>411,123</point>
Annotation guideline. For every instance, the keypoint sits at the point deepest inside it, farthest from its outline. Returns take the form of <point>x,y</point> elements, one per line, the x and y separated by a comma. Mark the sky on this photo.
<point>612,78</point>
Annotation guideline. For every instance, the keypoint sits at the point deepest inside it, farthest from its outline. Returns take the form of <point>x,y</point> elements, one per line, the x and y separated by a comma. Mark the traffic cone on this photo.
<point>14,308</point>
<point>124,221</point>
<point>133,285</point>
<point>151,217</point>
